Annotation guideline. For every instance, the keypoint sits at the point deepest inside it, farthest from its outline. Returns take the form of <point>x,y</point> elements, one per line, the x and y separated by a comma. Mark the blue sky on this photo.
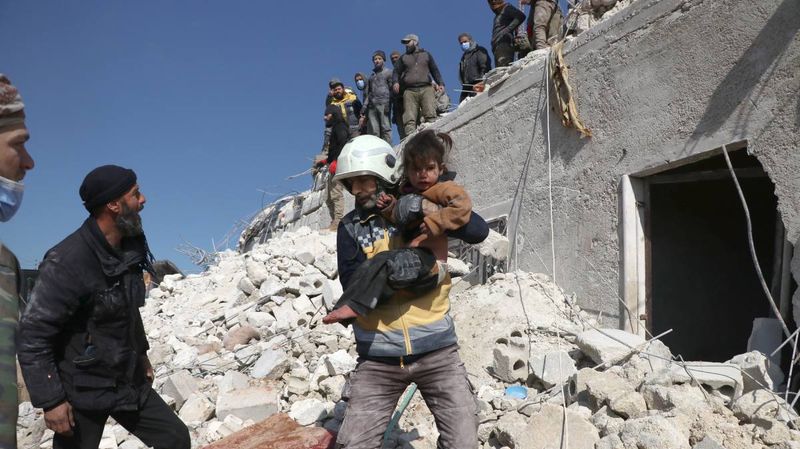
<point>210,102</point>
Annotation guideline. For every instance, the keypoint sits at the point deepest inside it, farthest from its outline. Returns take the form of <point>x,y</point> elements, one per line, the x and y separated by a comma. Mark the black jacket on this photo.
<point>475,63</point>
<point>340,133</point>
<point>81,336</point>
<point>505,25</point>
<point>416,70</point>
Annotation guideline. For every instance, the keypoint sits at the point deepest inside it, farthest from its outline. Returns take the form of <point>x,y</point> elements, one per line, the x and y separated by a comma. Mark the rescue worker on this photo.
<point>506,20</point>
<point>409,338</point>
<point>377,98</point>
<point>349,104</point>
<point>14,163</point>
<point>397,99</point>
<point>82,345</point>
<point>544,22</point>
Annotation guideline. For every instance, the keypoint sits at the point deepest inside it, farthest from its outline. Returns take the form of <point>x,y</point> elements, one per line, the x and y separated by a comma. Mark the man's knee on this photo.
<point>175,437</point>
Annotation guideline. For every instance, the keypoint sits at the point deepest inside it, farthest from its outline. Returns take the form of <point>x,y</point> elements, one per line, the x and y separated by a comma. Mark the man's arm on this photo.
<point>348,255</point>
<point>517,17</point>
<point>434,70</point>
<point>55,298</point>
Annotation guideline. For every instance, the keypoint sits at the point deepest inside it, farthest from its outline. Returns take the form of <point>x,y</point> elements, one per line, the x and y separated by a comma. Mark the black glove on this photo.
<point>404,269</point>
<point>408,210</point>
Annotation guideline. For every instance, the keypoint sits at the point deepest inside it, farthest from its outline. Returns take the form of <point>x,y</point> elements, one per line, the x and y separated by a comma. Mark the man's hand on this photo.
<point>385,201</point>
<point>361,121</point>
<point>59,419</point>
<point>440,87</point>
<point>149,374</point>
<point>397,88</point>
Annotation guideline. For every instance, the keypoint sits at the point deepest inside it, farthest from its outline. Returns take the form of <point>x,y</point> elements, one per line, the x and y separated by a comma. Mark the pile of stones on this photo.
<point>243,342</point>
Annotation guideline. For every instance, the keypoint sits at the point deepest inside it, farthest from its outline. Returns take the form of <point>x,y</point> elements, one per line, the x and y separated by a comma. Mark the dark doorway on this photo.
<point>702,282</point>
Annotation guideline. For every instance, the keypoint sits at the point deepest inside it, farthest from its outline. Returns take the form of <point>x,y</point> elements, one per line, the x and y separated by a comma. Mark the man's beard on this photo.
<point>371,201</point>
<point>129,222</point>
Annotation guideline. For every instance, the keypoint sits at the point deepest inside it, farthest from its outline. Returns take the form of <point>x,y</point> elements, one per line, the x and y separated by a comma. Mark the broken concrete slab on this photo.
<point>547,426</point>
<point>629,404</point>
<point>762,405</point>
<point>308,411</point>
<point>708,443</point>
<point>510,358</point>
<point>277,432</point>
<point>608,345</point>
<point>180,386</point>
<point>758,370</point>
<point>339,363</point>
<point>254,403</point>
<point>553,368</point>
<point>652,432</point>
<point>197,408</point>
<point>271,365</point>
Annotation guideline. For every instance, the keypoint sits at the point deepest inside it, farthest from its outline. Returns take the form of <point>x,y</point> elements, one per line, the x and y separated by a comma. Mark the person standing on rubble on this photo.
<point>544,22</point>
<point>14,163</point>
<point>415,70</point>
<point>349,104</point>
<point>409,338</point>
<point>475,63</point>
<point>397,99</point>
<point>506,20</point>
<point>378,98</point>
<point>82,345</point>
<point>339,136</point>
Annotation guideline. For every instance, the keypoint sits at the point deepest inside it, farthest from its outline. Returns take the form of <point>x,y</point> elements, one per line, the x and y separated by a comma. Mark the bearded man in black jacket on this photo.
<point>82,345</point>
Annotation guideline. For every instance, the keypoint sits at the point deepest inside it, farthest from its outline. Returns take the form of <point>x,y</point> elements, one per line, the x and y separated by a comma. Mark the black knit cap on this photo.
<point>105,183</point>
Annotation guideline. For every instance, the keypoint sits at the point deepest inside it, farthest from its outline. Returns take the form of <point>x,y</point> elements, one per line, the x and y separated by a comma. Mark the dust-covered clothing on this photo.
<point>416,69</point>
<point>544,23</point>
<point>9,312</point>
<point>418,101</point>
<point>504,27</point>
<point>475,63</point>
<point>350,106</point>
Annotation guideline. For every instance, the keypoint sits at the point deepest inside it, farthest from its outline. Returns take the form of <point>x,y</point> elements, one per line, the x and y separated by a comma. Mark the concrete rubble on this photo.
<point>251,352</point>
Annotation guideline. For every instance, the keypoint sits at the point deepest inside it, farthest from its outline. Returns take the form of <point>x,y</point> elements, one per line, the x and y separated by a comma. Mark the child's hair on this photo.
<point>425,146</point>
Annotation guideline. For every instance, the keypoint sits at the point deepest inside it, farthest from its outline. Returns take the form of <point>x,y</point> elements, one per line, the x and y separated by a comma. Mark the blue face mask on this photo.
<point>10,198</point>
<point>360,84</point>
<point>465,46</point>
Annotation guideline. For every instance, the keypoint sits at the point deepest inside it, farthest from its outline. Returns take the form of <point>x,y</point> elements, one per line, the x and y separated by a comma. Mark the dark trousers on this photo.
<point>379,278</point>
<point>154,423</point>
<point>441,378</point>
<point>503,54</point>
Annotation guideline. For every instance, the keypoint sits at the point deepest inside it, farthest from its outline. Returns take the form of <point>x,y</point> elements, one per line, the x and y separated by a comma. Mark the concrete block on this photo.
<point>233,380</point>
<point>308,411</point>
<point>271,365</point>
<point>331,292</point>
<point>629,404</point>
<point>760,371</point>
<point>259,320</point>
<point>708,443</point>
<point>340,363</point>
<point>257,272</point>
<point>332,387</point>
<point>180,386</point>
<point>277,432</point>
<point>271,287</point>
<point>552,368</point>
<point>254,403</point>
<point>547,426</point>
<point>326,263</point>
<point>652,432</point>
<point>762,405</point>
<point>246,286</point>
<point>510,359</point>
<point>725,377</point>
<point>603,349</point>
<point>197,409</point>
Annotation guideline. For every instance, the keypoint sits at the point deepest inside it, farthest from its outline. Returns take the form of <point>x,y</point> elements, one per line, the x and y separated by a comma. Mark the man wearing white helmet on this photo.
<point>409,338</point>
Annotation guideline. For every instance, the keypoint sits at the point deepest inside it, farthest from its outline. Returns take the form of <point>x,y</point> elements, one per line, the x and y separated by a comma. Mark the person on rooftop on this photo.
<point>377,98</point>
<point>506,20</point>
<point>414,70</point>
<point>475,63</point>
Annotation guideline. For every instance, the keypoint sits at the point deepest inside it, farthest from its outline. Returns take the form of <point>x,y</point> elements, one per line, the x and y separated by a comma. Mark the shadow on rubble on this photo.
<point>763,55</point>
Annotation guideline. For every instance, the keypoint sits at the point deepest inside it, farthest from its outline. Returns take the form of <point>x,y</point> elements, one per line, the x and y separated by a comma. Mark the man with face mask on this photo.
<point>475,63</point>
<point>14,162</point>
<point>378,97</point>
<point>415,70</point>
<point>82,345</point>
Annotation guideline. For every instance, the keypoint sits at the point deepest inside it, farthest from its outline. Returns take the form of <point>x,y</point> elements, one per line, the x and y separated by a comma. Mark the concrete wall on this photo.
<point>660,81</point>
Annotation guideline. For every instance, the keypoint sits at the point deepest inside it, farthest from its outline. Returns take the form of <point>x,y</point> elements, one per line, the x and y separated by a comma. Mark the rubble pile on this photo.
<point>240,349</point>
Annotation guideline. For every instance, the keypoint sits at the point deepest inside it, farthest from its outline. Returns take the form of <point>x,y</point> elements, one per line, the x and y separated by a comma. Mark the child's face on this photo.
<point>423,176</point>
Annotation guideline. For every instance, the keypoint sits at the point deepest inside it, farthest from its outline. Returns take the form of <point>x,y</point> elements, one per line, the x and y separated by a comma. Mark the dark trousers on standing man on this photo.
<point>154,423</point>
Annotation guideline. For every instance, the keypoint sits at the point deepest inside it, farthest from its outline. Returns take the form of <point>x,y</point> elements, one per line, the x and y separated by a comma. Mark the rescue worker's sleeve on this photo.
<point>475,231</point>
<point>348,255</point>
<point>456,207</point>
<point>397,73</point>
<point>54,300</point>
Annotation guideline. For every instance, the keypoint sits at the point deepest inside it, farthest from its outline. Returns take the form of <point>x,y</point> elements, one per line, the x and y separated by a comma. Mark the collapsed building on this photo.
<point>646,227</point>
<point>638,231</point>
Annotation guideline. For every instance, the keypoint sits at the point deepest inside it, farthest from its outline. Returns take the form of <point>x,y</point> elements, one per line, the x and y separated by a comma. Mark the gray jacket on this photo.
<point>416,69</point>
<point>379,88</point>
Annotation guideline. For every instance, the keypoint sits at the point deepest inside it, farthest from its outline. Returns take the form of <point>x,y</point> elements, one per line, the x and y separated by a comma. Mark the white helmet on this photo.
<point>367,155</point>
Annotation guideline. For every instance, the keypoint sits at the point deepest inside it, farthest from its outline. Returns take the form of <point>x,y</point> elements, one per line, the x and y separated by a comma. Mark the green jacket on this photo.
<point>9,312</point>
